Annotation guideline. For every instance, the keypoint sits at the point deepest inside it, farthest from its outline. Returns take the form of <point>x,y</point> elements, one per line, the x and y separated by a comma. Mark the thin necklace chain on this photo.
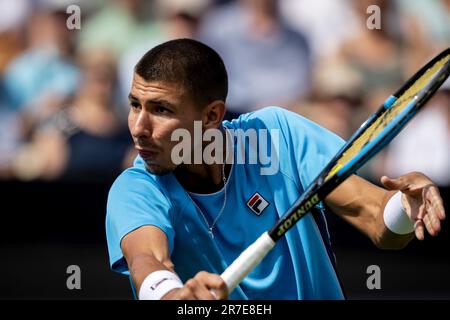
<point>224,179</point>
<point>210,228</point>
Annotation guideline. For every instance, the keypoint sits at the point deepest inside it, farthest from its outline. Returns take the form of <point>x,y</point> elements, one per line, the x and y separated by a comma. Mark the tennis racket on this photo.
<point>371,137</point>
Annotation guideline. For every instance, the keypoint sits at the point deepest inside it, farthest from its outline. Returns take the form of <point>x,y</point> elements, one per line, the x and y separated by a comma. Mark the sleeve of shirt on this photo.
<point>134,201</point>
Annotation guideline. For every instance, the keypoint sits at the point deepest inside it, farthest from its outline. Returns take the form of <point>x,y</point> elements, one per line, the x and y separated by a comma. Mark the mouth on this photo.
<point>147,154</point>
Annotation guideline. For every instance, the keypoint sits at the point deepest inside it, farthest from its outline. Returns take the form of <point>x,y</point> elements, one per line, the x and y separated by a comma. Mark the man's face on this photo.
<point>156,110</point>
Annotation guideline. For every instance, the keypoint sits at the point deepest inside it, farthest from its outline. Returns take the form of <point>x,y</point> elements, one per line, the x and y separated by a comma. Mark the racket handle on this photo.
<point>246,261</point>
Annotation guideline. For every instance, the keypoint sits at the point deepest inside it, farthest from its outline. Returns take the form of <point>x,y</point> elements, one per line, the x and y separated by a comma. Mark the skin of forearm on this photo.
<point>142,265</point>
<point>365,210</point>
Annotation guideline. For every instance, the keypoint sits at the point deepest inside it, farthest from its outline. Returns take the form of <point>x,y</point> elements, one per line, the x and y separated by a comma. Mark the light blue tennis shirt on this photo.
<point>300,266</point>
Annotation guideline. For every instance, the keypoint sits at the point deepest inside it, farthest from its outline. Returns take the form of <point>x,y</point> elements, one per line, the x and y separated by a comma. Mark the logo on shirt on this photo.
<point>257,203</point>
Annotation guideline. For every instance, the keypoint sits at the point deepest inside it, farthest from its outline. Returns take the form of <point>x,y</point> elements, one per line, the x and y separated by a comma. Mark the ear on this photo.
<point>213,114</point>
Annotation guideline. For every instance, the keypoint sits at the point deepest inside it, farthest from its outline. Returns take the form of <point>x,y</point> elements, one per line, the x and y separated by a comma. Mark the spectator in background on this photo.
<point>377,62</point>
<point>13,15</point>
<point>122,27</point>
<point>426,29</point>
<point>268,62</point>
<point>352,83</point>
<point>38,81</point>
<point>85,140</point>
<point>180,18</point>
<point>177,19</point>
<point>375,56</point>
<point>325,23</point>
<point>119,26</point>
<point>338,112</point>
<point>336,93</point>
<point>430,18</point>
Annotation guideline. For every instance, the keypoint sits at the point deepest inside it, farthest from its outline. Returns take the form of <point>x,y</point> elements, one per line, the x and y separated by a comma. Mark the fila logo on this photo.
<point>257,203</point>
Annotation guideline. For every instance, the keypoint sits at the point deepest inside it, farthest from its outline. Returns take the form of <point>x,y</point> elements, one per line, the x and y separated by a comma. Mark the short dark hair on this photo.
<point>193,65</point>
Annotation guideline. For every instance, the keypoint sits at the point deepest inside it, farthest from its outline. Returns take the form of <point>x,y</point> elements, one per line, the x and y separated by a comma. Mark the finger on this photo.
<point>433,218</point>
<point>428,225</point>
<point>213,292</point>
<point>220,288</point>
<point>199,289</point>
<point>393,184</point>
<point>185,294</point>
<point>433,196</point>
<point>214,283</point>
<point>204,293</point>
<point>422,212</point>
<point>191,287</point>
<point>419,230</point>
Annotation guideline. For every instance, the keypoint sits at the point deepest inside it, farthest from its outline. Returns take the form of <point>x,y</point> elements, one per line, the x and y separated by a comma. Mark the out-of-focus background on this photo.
<point>64,138</point>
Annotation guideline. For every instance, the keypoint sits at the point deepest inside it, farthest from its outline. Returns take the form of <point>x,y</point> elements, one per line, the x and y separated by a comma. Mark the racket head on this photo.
<point>370,138</point>
<point>391,117</point>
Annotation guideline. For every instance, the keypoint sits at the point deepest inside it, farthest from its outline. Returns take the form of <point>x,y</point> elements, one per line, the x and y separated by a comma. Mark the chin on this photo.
<point>157,169</point>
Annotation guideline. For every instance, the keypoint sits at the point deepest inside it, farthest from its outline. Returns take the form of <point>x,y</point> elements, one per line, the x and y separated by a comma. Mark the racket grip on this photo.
<point>246,261</point>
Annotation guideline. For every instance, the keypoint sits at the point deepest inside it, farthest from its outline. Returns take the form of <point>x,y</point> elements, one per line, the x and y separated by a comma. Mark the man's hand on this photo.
<point>204,286</point>
<point>422,201</point>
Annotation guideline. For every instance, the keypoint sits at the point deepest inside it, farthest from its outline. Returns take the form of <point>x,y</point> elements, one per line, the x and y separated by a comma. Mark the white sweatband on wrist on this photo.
<point>395,217</point>
<point>157,284</point>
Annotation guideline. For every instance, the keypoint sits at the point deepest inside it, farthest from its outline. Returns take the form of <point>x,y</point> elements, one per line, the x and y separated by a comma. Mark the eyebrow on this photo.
<point>160,102</point>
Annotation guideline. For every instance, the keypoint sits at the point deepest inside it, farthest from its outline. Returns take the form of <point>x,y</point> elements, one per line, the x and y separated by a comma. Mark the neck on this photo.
<point>203,178</point>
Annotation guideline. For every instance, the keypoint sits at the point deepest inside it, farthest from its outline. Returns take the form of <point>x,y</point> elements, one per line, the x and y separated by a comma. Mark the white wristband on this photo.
<point>157,284</point>
<point>395,217</point>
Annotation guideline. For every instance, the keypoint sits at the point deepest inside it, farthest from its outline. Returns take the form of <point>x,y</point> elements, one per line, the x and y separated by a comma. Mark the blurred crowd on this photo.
<point>63,92</point>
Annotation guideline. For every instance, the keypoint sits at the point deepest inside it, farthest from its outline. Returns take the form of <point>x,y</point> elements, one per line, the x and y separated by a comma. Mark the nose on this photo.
<point>141,125</point>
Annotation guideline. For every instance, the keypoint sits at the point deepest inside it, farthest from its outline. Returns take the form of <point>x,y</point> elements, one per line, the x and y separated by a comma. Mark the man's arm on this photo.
<point>146,250</point>
<point>362,204</point>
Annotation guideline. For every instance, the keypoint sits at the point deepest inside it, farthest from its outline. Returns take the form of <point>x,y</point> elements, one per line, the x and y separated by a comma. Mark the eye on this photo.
<point>162,110</point>
<point>135,105</point>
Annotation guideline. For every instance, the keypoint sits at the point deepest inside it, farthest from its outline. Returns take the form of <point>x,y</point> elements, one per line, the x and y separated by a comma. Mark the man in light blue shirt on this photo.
<point>175,223</point>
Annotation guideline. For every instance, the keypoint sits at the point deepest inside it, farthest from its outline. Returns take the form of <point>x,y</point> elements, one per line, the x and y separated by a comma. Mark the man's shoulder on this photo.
<point>135,179</point>
<point>134,192</point>
<point>293,129</point>
<point>269,112</point>
<point>267,118</point>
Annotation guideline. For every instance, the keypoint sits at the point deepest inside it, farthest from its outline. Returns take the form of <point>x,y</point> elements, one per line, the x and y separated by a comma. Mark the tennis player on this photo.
<point>174,227</point>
